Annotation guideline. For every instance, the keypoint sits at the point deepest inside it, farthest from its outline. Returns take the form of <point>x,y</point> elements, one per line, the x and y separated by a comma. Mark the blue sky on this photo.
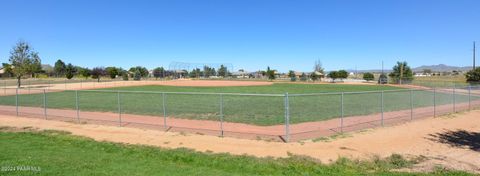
<point>251,34</point>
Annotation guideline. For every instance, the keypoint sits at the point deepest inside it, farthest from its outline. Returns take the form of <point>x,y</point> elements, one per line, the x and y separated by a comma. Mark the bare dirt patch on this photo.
<point>185,82</point>
<point>428,137</point>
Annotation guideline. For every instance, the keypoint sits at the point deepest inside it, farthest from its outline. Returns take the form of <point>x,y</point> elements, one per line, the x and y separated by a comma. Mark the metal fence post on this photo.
<point>164,111</point>
<point>287,119</point>
<point>221,114</point>
<point>76,106</point>
<point>45,103</point>
<point>382,106</point>
<point>119,109</point>
<point>411,104</point>
<point>454,99</point>
<point>342,113</point>
<point>434,102</point>
<point>65,84</point>
<point>469,97</point>
<point>16,101</point>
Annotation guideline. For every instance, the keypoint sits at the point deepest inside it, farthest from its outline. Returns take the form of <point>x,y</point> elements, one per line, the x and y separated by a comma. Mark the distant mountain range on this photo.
<point>441,68</point>
<point>434,68</point>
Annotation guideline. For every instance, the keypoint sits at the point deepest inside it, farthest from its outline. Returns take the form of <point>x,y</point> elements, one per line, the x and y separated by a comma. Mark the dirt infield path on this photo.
<point>186,82</point>
<point>414,138</point>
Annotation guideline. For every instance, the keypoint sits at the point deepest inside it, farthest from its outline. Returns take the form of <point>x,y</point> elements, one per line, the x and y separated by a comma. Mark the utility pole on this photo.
<point>401,73</point>
<point>474,55</point>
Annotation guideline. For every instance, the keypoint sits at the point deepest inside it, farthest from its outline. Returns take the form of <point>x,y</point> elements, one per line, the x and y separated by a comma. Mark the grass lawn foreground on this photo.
<point>59,153</point>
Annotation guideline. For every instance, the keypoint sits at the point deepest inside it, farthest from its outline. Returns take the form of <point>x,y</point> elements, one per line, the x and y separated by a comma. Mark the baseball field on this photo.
<point>257,107</point>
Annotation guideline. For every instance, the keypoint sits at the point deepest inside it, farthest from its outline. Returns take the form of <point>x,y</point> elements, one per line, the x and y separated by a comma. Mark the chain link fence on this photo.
<point>277,117</point>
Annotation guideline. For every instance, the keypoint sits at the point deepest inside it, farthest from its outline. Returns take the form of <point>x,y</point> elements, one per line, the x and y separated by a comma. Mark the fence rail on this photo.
<point>286,117</point>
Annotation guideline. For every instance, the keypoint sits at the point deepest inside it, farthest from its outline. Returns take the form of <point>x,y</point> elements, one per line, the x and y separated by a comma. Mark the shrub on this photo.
<point>303,77</point>
<point>137,76</point>
<point>125,76</point>
<point>368,76</point>
<point>473,75</point>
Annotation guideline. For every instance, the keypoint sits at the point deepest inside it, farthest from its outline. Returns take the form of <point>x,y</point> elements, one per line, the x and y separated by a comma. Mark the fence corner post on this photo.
<point>434,102</point>
<point>342,112</point>
<point>45,104</point>
<point>287,119</point>
<point>164,111</point>
<point>469,97</point>
<point>411,104</point>
<point>383,106</point>
<point>16,101</point>
<point>119,109</point>
<point>454,99</point>
<point>77,106</point>
<point>221,114</point>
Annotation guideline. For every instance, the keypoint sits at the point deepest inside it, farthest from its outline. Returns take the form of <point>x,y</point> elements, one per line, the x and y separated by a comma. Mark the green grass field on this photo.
<point>259,110</point>
<point>58,153</point>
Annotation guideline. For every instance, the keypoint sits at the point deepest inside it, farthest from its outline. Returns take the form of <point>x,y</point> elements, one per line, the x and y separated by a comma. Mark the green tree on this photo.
<point>292,76</point>
<point>303,77</point>
<point>70,70</point>
<point>22,60</point>
<point>112,72</point>
<point>7,70</point>
<point>473,75</point>
<point>342,74</point>
<point>222,71</point>
<point>84,72</point>
<point>159,72</point>
<point>195,73</point>
<point>125,75</point>
<point>143,71</point>
<point>314,76</point>
<point>59,68</point>
<point>137,75</point>
<point>333,75</point>
<point>98,72</point>
<point>368,76</point>
<point>36,66</point>
<point>270,73</point>
<point>401,72</point>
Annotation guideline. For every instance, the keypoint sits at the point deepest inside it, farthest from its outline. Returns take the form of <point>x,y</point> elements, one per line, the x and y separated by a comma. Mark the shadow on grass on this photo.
<point>458,138</point>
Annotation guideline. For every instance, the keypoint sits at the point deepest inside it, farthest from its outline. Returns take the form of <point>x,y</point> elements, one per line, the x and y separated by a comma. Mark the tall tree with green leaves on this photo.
<point>159,72</point>
<point>333,75</point>
<point>23,60</point>
<point>7,70</point>
<point>401,72</point>
<point>270,73</point>
<point>303,77</point>
<point>137,75</point>
<point>292,76</point>
<point>314,76</point>
<point>70,71</point>
<point>142,70</point>
<point>222,71</point>
<point>342,74</point>
<point>98,72</point>
<point>112,72</point>
<point>84,72</point>
<point>59,68</point>
<point>36,66</point>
